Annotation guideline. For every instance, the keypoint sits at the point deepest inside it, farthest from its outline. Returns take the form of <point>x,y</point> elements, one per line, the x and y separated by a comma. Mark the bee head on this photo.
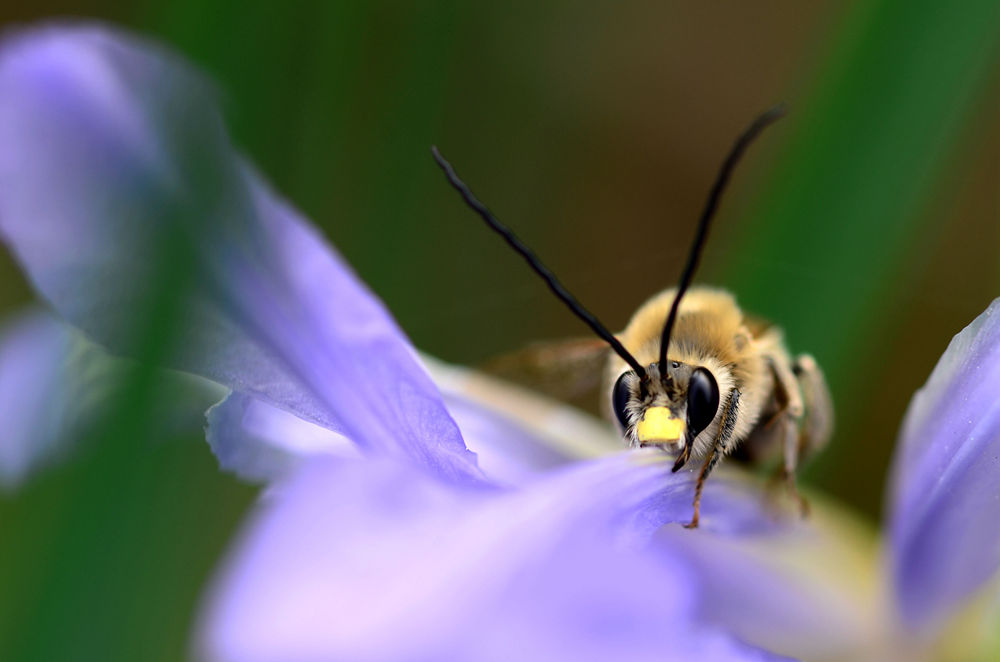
<point>667,410</point>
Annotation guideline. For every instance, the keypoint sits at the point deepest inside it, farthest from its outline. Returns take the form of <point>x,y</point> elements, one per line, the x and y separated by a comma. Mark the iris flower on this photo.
<point>416,518</point>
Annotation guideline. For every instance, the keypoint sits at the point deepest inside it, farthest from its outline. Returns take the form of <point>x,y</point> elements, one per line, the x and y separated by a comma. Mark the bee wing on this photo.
<point>567,370</point>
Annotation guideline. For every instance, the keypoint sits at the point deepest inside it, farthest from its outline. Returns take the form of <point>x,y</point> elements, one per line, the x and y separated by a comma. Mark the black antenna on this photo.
<point>536,264</point>
<point>762,122</point>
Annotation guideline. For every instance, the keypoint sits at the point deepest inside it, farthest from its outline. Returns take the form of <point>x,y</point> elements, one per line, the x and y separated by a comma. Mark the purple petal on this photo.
<point>371,561</point>
<point>945,542</point>
<point>55,385</point>
<point>730,506</point>
<point>517,435</point>
<point>261,443</point>
<point>114,152</point>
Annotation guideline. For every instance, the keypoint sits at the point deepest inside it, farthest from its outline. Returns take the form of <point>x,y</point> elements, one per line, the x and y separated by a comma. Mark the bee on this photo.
<point>692,374</point>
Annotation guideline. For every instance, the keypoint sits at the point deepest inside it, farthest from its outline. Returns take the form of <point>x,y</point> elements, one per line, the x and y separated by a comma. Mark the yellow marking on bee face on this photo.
<point>659,426</point>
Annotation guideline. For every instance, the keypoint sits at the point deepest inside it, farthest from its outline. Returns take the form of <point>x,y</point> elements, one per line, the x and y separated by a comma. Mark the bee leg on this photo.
<point>808,432</point>
<point>792,447</point>
<point>789,395</point>
<point>817,419</point>
<point>719,448</point>
<point>706,469</point>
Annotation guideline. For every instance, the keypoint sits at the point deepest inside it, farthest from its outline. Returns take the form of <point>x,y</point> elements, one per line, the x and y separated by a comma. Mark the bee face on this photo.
<point>665,410</point>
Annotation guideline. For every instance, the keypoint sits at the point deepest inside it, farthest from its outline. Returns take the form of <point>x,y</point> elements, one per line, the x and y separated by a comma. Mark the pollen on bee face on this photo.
<point>659,426</point>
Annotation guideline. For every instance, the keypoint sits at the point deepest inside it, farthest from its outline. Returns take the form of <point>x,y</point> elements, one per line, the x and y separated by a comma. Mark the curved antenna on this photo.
<point>735,153</point>
<point>536,265</point>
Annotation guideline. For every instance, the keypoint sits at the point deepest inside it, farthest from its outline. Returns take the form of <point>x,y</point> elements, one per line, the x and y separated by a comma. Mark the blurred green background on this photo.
<point>866,224</point>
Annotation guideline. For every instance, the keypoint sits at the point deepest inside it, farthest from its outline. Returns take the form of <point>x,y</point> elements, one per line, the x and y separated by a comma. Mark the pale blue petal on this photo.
<point>761,571</point>
<point>116,172</point>
<point>792,591</point>
<point>518,434</point>
<point>729,507</point>
<point>261,443</point>
<point>371,562</point>
<point>945,496</point>
<point>507,452</point>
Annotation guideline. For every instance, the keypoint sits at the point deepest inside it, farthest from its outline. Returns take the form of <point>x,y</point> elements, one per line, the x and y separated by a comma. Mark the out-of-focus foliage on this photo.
<point>866,225</point>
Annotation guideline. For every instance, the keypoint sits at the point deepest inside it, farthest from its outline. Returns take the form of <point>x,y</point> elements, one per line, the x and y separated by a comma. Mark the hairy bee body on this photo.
<point>768,399</point>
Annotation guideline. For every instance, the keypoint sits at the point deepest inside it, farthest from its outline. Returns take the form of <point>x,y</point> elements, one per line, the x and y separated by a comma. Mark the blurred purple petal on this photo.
<point>34,350</point>
<point>55,385</point>
<point>945,541</point>
<point>117,173</point>
<point>370,561</point>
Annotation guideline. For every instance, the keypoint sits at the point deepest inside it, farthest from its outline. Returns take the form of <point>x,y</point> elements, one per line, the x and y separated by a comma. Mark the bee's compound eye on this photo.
<point>620,395</point>
<point>703,400</point>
